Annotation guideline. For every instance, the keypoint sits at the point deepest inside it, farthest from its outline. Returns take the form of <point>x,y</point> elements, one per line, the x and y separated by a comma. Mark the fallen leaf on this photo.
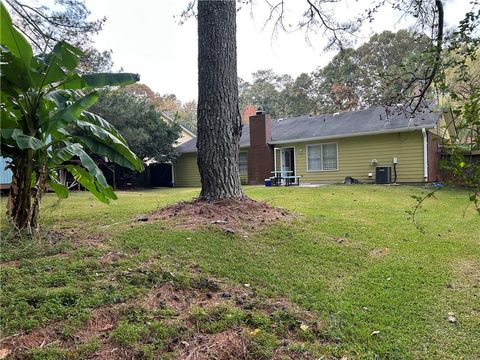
<point>304,327</point>
<point>107,327</point>
<point>4,353</point>
<point>254,332</point>
<point>451,317</point>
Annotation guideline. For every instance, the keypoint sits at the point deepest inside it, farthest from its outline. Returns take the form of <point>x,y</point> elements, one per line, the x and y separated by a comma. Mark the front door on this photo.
<point>288,162</point>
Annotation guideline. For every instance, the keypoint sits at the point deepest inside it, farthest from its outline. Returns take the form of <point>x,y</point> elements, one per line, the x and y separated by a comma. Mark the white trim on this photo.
<point>275,159</point>
<point>321,157</point>
<point>173,175</point>
<point>425,155</point>
<point>294,158</point>
<point>379,132</point>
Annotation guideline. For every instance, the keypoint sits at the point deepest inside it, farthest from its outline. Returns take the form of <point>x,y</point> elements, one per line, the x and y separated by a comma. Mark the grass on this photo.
<point>352,258</point>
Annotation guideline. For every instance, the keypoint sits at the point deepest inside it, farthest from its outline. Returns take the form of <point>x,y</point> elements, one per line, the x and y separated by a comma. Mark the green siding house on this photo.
<point>329,148</point>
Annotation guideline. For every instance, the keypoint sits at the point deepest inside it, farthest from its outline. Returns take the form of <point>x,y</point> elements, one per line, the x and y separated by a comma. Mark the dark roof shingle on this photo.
<point>349,123</point>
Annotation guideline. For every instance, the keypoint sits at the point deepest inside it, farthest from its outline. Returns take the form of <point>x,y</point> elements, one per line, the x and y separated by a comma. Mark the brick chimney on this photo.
<point>260,154</point>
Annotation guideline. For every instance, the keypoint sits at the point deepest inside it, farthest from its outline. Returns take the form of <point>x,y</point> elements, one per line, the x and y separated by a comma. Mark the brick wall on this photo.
<point>260,154</point>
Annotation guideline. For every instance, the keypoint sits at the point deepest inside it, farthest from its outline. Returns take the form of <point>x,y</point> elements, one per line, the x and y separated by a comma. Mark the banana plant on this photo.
<point>45,125</point>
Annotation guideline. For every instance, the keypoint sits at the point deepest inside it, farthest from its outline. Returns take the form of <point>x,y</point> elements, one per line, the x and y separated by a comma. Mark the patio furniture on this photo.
<point>284,177</point>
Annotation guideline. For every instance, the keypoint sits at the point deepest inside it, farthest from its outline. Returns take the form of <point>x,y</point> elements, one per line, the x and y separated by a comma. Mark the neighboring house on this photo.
<point>185,134</point>
<point>328,148</point>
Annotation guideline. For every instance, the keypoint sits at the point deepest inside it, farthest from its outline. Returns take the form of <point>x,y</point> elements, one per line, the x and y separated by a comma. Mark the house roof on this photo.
<point>170,120</point>
<point>375,120</point>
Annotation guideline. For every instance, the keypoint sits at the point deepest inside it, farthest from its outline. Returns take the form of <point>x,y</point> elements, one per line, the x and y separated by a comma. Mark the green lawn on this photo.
<point>351,257</point>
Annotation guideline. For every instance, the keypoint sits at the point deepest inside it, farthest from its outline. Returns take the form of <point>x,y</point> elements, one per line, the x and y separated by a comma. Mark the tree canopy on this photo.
<point>67,20</point>
<point>140,123</point>
<point>355,78</point>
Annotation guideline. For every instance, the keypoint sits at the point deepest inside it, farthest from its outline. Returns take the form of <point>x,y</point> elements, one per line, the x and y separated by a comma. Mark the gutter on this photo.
<point>379,132</point>
<point>425,155</point>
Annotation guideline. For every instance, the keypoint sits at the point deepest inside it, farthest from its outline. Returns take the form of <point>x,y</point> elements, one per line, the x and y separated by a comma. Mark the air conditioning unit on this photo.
<point>383,175</point>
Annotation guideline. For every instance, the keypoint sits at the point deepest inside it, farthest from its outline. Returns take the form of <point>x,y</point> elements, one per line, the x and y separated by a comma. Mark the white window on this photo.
<point>322,157</point>
<point>243,163</point>
<point>315,157</point>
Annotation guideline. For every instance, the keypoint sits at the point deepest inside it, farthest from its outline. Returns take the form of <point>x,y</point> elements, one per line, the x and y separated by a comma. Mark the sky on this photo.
<point>146,38</point>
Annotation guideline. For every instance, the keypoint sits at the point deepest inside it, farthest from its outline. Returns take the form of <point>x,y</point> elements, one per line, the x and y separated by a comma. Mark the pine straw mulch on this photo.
<point>192,342</point>
<point>231,216</point>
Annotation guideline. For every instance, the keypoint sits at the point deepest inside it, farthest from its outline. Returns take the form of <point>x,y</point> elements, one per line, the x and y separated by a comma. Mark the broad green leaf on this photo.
<point>26,141</point>
<point>59,97</point>
<point>13,72</point>
<point>111,153</point>
<point>72,112</point>
<point>8,118</point>
<point>73,81</point>
<point>89,164</point>
<point>60,189</point>
<point>110,79</point>
<point>113,142</point>
<point>13,40</point>
<point>66,153</point>
<point>68,54</point>
<point>54,74</point>
<point>88,181</point>
<point>101,122</point>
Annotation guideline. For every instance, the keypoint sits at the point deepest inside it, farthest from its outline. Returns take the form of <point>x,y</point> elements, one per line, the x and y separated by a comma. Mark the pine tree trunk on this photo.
<point>219,122</point>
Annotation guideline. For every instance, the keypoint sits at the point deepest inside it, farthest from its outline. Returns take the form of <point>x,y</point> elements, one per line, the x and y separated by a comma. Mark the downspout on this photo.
<point>173,175</point>
<point>425,155</point>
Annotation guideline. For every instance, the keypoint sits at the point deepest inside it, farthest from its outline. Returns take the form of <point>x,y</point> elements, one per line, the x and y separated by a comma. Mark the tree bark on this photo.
<point>219,122</point>
<point>19,198</point>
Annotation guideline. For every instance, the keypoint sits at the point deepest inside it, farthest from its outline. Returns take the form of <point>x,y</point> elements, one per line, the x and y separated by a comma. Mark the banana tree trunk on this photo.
<point>19,199</point>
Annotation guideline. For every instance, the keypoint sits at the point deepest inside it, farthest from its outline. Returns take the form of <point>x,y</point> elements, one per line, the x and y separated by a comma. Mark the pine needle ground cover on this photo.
<point>348,276</point>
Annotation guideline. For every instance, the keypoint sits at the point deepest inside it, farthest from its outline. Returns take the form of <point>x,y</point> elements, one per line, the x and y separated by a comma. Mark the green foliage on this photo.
<point>458,83</point>
<point>142,126</point>
<point>258,319</point>
<point>87,349</point>
<point>217,318</point>
<point>44,103</point>
<point>373,74</point>
<point>280,95</point>
<point>128,334</point>
<point>262,343</point>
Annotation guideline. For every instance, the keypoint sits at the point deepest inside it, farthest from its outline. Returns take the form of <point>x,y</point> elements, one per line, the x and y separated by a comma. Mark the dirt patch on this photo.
<point>192,342</point>
<point>21,342</point>
<point>468,272</point>
<point>111,257</point>
<point>173,296</point>
<point>380,252</point>
<point>108,351</point>
<point>231,216</point>
<point>100,323</point>
<point>227,345</point>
